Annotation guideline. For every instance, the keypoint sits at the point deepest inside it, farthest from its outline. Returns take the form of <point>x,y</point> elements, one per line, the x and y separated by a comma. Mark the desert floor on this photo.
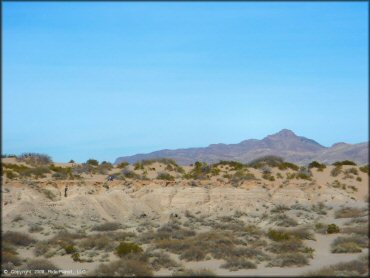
<point>161,219</point>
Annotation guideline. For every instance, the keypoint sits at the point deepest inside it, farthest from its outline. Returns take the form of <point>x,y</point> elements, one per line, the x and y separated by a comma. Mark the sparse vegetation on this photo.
<point>358,267</point>
<point>288,259</point>
<point>352,244</point>
<point>125,248</point>
<point>336,171</point>
<point>314,164</point>
<point>123,165</point>
<point>17,238</point>
<point>92,162</point>
<point>332,229</point>
<point>165,176</point>
<point>344,162</point>
<point>109,226</point>
<point>34,158</point>
<point>349,212</point>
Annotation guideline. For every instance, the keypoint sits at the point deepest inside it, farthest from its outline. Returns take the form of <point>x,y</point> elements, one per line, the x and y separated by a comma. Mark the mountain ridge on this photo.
<point>285,143</point>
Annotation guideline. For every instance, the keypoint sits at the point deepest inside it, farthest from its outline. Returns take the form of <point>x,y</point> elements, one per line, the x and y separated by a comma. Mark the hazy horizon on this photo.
<point>117,79</point>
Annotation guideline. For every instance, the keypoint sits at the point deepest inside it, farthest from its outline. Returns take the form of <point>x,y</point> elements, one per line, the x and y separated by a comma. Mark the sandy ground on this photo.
<point>126,201</point>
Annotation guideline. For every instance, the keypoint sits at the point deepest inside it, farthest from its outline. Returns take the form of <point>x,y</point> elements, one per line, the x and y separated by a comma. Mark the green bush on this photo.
<point>289,259</point>
<point>332,229</point>
<point>35,158</point>
<point>288,165</point>
<point>125,248</point>
<point>315,164</point>
<point>123,164</point>
<point>165,176</point>
<point>236,263</point>
<point>344,162</point>
<point>336,170</point>
<point>17,238</point>
<point>278,235</point>
<point>233,164</point>
<point>92,162</point>
<point>70,249</point>
<point>349,212</point>
<point>109,226</point>
<point>76,257</point>
<point>364,169</point>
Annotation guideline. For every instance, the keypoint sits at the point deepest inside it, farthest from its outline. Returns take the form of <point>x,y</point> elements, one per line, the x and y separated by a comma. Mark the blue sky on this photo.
<point>102,80</point>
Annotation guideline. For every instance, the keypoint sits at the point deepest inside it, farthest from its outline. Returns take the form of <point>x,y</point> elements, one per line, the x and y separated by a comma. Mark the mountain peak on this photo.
<point>284,133</point>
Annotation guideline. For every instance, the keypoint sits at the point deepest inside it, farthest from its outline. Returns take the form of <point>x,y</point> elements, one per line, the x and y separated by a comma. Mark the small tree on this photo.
<point>92,162</point>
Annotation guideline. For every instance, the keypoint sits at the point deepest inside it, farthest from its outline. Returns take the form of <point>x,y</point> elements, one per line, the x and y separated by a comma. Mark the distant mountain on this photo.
<point>285,143</point>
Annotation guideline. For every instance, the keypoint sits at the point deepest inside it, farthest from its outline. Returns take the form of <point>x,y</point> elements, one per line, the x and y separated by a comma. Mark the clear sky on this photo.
<point>103,80</point>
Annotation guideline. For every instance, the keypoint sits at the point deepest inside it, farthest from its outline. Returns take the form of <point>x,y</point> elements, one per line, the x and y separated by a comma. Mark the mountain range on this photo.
<point>285,143</point>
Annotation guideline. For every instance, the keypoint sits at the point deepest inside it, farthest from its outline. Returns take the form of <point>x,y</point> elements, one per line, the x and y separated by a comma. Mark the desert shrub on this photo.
<point>34,158</point>
<point>233,164</point>
<point>303,233</point>
<point>287,165</point>
<point>279,209</point>
<point>64,238</point>
<point>236,263</point>
<point>351,244</point>
<point>278,235</point>
<point>130,174</point>
<point>358,179</point>
<point>59,176</point>
<point>165,176</point>
<point>352,171</point>
<point>269,160</point>
<point>125,248</point>
<point>126,266</point>
<point>321,228</point>
<point>268,176</point>
<point>109,226</point>
<point>104,167</point>
<point>352,268</point>
<point>35,228</point>
<point>40,264</point>
<point>292,245</point>
<point>17,238</point>
<point>332,229</point>
<point>10,174</point>
<point>344,162</point>
<point>138,166</point>
<point>320,208</point>
<point>70,249</point>
<point>304,173</point>
<point>17,218</point>
<point>199,171</point>
<point>282,220</point>
<point>99,242</point>
<point>364,169</point>
<point>49,194</point>
<point>160,260</point>
<point>8,155</point>
<point>92,162</point>
<point>218,243</point>
<point>288,259</point>
<point>240,176</point>
<point>41,248</point>
<point>173,230</point>
<point>9,255</point>
<point>357,230</point>
<point>349,212</point>
<point>315,164</point>
<point>193,253</point>
<point>189,272</point>
<point>123,165</point>
<point>336,171</point>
